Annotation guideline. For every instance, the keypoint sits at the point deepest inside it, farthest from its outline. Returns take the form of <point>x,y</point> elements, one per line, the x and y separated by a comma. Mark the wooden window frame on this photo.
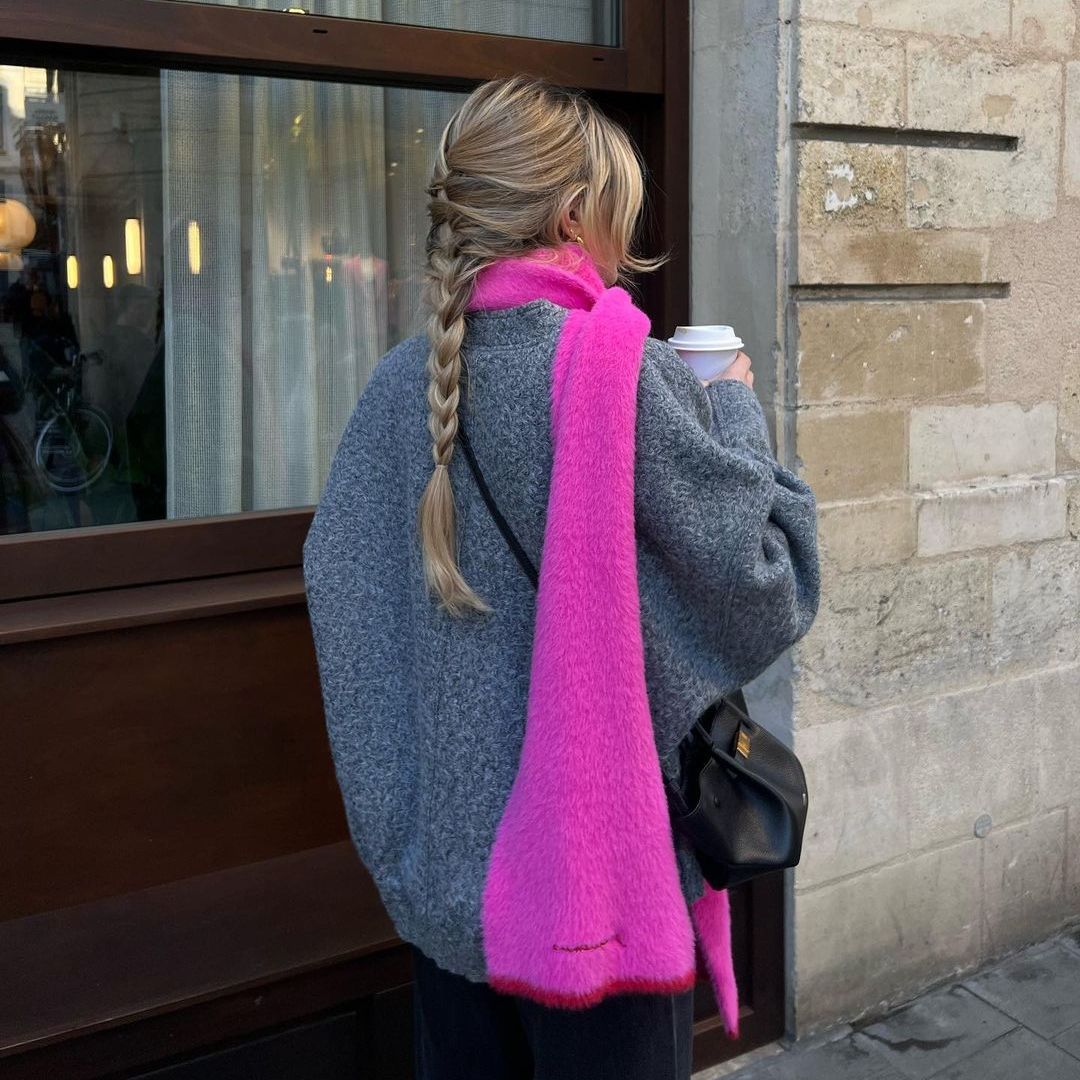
<point>645,78</point>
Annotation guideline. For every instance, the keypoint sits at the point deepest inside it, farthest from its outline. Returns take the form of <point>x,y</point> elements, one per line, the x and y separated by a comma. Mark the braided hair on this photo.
<point>512,162</point>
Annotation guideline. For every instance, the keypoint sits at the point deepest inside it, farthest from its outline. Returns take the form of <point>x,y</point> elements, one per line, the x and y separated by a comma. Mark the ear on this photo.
<point>570,220</point>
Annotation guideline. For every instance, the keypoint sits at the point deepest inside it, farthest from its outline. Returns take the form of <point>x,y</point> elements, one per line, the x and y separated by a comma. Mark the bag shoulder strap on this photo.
<point>501,523</point>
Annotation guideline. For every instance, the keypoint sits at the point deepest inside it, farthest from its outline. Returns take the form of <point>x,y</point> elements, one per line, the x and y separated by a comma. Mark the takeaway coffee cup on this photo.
<point>709,350</point>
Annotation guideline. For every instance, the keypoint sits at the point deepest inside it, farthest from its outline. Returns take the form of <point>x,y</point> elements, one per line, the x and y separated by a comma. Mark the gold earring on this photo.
<point>577,239</point>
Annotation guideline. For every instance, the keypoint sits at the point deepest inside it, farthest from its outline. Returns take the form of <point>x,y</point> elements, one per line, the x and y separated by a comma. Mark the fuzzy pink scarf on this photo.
<point>582,896</point>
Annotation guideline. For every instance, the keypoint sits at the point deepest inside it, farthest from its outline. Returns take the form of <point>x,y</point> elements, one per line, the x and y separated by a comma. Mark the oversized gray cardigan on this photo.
<point>426,712</point>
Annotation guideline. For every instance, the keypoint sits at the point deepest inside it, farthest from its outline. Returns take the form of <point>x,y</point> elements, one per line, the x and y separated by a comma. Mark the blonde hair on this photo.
<point>511,162</point>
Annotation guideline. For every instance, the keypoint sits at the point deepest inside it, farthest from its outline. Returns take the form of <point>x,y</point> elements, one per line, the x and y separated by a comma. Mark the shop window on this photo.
<point>198,273</point>
<point>212,224</point>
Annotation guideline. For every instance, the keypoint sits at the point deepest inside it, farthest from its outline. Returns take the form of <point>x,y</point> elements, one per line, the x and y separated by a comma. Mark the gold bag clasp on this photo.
<point>742,744</point>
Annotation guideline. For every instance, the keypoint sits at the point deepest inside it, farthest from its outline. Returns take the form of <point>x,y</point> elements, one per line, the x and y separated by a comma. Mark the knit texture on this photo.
<point>425,712</point>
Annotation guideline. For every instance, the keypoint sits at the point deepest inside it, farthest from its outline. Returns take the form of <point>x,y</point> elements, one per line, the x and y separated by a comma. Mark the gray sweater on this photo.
<point>426,712</point>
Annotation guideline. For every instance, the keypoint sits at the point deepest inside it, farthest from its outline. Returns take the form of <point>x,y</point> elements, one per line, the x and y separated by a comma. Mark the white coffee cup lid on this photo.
<point>704,338</point>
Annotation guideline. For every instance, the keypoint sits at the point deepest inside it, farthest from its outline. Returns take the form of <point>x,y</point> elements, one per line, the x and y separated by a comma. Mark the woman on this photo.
<point>438,659</point>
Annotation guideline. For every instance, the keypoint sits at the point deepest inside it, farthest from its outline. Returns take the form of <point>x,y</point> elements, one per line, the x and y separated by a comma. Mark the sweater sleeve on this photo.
<point>727,541</point>
<point>356,570</point>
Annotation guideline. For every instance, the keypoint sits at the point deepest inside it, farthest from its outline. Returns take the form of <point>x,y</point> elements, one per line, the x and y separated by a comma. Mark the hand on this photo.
<point>739,369</point>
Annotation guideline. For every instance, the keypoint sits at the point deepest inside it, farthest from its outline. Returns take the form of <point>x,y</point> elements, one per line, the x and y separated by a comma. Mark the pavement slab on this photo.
<point>934,1032</point>
<point>1019,1055</point>
<point>1039,986</point>
<point>837,1060</point>
<point>1069,1041</point>
<point>1017,1019</point>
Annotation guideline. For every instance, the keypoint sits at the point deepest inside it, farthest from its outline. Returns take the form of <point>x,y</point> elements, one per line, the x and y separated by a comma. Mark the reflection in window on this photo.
<point>591,22</point>
<point>197,275</point>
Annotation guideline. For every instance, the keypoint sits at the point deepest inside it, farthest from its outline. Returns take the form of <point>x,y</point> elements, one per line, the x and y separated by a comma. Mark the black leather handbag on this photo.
<point>739,795</point>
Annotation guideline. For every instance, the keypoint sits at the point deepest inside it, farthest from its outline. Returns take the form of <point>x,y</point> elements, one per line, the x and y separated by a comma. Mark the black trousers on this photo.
<point>467,1031</point>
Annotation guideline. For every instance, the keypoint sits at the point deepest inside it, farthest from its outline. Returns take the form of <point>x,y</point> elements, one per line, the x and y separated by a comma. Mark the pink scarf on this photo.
<point>582,896</point>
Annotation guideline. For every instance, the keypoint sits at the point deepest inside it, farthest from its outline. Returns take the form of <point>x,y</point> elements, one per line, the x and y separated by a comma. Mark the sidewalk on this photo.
<point>1018,1019</point>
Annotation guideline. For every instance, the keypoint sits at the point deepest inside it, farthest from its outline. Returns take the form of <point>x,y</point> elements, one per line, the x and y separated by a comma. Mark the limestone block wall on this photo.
<point>929,314</point>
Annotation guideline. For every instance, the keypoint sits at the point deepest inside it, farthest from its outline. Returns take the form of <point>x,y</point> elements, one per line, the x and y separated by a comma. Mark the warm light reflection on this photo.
<point>108,272</point>
<point>133,245</point>
<point>194,247</point>
<point>329,275</point>
<point>72,272</point>
<point>17,225</point>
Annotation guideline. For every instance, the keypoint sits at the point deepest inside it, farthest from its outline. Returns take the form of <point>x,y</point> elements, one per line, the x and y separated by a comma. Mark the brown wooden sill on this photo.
<point>65,561</point>
<point>114,609</point>
<point>115,961</point>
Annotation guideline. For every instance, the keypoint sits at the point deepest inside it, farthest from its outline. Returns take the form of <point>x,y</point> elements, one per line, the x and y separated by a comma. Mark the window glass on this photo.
<point>591,22</point>
<point>198,273</point>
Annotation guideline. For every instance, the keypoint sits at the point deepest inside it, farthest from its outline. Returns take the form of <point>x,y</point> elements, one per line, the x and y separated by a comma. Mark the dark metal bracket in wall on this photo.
<point>888,136</point>
<point>982,290</point>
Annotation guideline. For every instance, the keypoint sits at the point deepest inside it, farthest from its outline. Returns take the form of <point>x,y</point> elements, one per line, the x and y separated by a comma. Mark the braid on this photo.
<point>450,275</point>
<point>449,290</point>
<point>513,161</point>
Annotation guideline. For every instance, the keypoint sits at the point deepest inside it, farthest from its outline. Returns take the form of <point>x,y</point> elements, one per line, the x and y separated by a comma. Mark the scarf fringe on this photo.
<point>557,1000</point>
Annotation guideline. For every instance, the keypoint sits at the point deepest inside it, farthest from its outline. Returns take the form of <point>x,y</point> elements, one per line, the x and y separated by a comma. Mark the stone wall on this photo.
<point>928,387</point>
